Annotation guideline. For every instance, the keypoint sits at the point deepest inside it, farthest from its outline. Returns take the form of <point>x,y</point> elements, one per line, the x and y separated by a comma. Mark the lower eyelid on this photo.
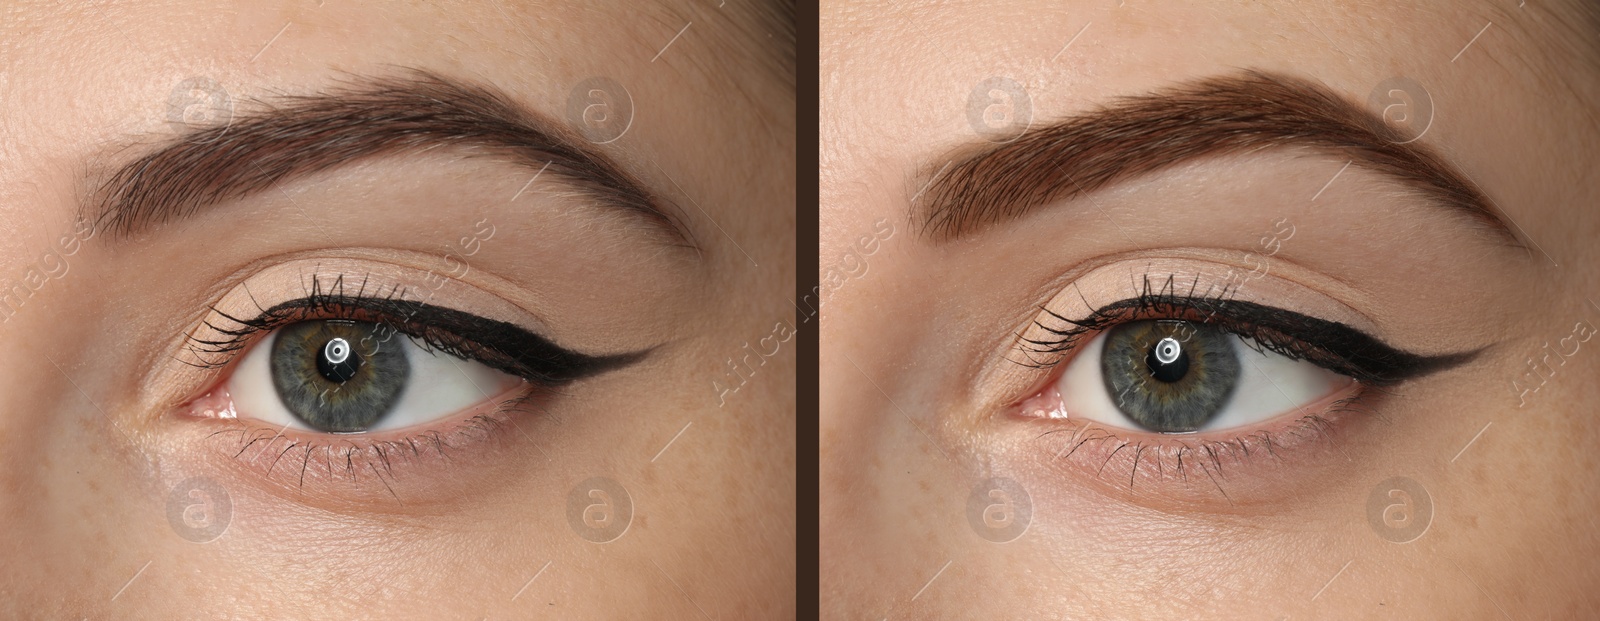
<point>1267,463</point>
<point>374,470</point>
<point>1206,470</point>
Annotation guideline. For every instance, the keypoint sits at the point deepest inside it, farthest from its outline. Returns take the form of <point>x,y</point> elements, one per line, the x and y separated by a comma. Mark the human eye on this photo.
<point>345,361</point>
<point>1182,379</point>
<point>1176,376</point>
<point>351,376</point>
<point>356,377</point>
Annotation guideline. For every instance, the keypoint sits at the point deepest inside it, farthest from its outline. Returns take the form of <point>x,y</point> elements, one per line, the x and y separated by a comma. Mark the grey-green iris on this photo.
<point>1167,375</point>
<point>338,375</point>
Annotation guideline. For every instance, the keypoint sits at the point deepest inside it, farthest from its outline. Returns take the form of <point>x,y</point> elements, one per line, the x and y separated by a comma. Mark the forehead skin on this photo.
<point>114,66</point>
<point>895,81</point>
<point>78,80</point>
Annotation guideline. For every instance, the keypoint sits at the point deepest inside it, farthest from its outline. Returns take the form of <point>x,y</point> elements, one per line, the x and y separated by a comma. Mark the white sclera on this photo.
<point>438,385</point>
<point>1269,385</point>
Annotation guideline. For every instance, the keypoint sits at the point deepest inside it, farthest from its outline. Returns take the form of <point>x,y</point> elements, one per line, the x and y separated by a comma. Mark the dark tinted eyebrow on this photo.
<point>1249,111</point>
<point>361,119</point>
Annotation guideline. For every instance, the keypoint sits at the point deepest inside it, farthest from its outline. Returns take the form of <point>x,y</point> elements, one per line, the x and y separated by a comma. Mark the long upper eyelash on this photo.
<point>216,352</point>
<point>1331,345</point>
<point>499,345</point>
<point>1104,317</point>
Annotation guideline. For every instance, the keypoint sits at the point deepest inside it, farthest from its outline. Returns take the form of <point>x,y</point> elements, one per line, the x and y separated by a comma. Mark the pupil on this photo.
<point>338,363</point>
<point>1167,361</point>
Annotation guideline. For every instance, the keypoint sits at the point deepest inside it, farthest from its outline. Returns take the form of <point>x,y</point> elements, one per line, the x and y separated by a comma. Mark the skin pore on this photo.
<point>926,393</point>
<point>107,420</point>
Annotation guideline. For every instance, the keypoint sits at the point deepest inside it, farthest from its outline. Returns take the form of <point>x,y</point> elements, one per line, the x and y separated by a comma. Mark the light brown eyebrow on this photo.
<point>366,118</point>
<point>1140,135</point>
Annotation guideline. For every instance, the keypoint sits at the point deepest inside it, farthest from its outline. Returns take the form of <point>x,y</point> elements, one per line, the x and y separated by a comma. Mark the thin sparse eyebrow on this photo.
<point>364,119</point>
<point>988,184</point>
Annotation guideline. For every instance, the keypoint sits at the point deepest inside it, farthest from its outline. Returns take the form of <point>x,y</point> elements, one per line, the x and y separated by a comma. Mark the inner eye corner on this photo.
<point>476,363</point>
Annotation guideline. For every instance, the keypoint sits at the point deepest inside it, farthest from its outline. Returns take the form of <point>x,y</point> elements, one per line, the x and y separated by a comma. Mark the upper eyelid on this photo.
<point>1099,315</point>
<point>551,364</point>
<point>1376,363</point>
<point>1005,373</point>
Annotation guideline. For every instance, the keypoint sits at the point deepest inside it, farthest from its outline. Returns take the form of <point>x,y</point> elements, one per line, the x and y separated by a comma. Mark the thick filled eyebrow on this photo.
<point>362,119</point>
<point>989,184</point>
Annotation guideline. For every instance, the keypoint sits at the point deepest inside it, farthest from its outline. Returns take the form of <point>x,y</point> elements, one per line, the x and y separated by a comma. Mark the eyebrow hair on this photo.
<point>1144,134</point>
<point>363,119</point>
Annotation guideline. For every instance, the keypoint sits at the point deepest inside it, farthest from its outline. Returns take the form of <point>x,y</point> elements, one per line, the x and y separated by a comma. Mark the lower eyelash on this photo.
<point>1166,460</point>
<point>353,456</point>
